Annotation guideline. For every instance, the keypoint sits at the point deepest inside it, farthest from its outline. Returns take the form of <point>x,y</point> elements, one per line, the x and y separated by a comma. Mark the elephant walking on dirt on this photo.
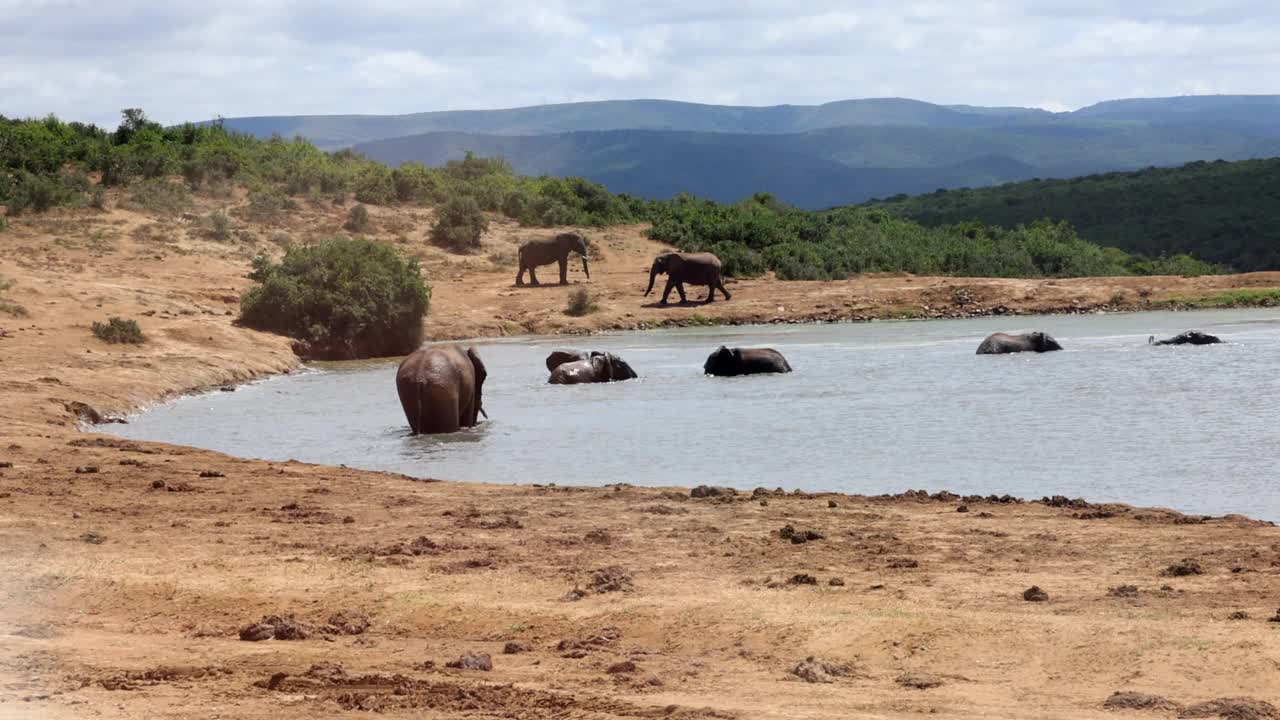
<point>439,389</point>
<point>730,362</point>
<point>572,368</point>
<point>544,251</point>
<point>1001,343</point>
<point>692,268</point>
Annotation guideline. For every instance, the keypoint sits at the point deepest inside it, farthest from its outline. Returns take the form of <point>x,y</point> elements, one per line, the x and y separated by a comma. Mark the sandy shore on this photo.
<point>129,569</point>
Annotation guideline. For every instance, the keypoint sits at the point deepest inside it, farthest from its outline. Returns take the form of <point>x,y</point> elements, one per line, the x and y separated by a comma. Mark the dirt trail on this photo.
<point>128,570</point>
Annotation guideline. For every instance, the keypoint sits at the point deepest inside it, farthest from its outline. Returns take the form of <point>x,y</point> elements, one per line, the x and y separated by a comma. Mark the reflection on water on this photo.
<point>870,408</point>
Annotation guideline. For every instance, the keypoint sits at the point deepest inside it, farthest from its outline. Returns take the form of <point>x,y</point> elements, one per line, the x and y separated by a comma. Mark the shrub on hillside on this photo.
<point>267,203</point>
<point>374,185</point>
<point>37,193</point>
<point>219,225</point>
<point>460,225</point>
<point>580,303</point>
<point>160,196</point>
<point>119,330</point>
<point>345,297</point>
<point>357,219</point>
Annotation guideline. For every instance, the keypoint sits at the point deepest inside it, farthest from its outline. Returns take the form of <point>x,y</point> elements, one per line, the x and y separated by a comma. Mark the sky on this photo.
<point>86,60</point>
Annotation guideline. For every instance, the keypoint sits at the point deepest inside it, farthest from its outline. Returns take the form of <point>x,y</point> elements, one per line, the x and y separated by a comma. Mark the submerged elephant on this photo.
<point>439,389</point>
<point>1000,343</point>
<point>729,362</point>
<point>1190,337</point>
<point>544,251</point>
<point>692,268</point>
<point>573,367</point>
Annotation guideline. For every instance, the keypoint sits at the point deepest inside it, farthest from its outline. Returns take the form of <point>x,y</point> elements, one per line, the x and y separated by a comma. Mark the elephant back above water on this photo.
<point>692,268</point>
<point>544,251</point>
<point>730,362</point>
<point>440,389</point>
<point>575,367</point>
<point>1190,337</point>
<point>1001,343</point>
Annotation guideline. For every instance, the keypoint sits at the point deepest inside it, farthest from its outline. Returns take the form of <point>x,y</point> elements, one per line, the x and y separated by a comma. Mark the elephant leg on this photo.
<point>680,289</point>
<point>666,293</point>
<point>564,270</point>
<point>711,293</point>
<point>520,277</point>
<point>533,277</point>
<point>720,284</point>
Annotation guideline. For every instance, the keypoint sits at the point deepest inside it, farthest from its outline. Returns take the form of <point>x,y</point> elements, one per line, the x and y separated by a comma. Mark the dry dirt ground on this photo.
<point>128,571</point>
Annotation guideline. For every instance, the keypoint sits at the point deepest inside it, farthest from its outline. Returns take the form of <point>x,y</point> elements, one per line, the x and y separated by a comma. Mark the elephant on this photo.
<point>730,362</point>
<point>571,368</point>
<point>1000,343</point>
<point>544,251</point>
<point>1190,337</point>
<point>692,268</point>
<point>439,389</point>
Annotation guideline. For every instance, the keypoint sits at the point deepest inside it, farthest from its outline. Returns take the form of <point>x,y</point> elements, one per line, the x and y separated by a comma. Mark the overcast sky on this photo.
<point>85,60</point>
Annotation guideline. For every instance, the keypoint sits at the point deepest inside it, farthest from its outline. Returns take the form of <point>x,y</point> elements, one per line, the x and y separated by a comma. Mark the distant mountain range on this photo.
<point>811,156</point>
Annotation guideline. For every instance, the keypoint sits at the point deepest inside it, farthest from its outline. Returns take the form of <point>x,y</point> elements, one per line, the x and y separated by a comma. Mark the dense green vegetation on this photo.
<point>346,298</point>
<point>761,234</point>
<point>119,330</point>
<point>44,163</point>
<point>1225,213</point>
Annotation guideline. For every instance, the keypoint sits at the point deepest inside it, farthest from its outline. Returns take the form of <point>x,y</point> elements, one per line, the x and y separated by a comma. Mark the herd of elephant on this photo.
<point>680,268</point>
<point>440,386</point>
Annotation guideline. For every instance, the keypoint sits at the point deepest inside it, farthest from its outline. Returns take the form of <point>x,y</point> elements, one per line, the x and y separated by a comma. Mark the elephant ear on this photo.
<point>602,364</point>
<point>478,364</point>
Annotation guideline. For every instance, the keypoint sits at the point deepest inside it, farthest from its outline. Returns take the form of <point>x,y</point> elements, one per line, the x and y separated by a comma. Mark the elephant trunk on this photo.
<point>653,273</point>
<point>585,270</point>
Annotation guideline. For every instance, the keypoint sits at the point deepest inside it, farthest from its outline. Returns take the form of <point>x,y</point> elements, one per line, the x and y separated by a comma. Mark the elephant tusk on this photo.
<point>485,414</point>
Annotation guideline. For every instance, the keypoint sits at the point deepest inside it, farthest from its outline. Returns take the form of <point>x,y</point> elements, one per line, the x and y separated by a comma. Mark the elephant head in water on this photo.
<point>439,389</point>
<point>1000,343</point>
<point>731,362</point>
<point>572,368</point>
<point>1190,337</point>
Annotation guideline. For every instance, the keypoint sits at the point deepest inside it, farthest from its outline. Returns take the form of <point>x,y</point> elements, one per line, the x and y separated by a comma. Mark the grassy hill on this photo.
<point>835,166</point>
<point>46,163</point>
<point>1222,212</point>
<point>1225,112</point>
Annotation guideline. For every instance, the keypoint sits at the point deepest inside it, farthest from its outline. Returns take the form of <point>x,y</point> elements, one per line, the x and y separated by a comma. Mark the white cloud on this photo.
<point>397,69</point>
<point>85,59</point>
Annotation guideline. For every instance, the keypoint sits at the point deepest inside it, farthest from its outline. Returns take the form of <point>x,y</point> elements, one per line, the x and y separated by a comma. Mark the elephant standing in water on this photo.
<point>572,367</point>
<point>544,251</point>
<point>439,389</point>
<point>1001,343</point>
<point>729,362</point>
<point>1190,337</point>
<point>692,268</point>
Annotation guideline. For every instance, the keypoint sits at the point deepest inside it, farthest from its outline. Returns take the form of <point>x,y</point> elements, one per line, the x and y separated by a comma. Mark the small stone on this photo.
<point>157,484</point>
<point>1035,594</point>
<point>212,474</point>
<point>626,666</point>
<point>472,661</point>
<point>802,579</point>
<point>515,648</point>
<point>93,538</point>
<point>1238,615</point>
<point>1186,567</point>
<point>832,504</point>
<point>86,469</point>
<point>919,681</point>
<point>836,582</point>
<point>963,508</point>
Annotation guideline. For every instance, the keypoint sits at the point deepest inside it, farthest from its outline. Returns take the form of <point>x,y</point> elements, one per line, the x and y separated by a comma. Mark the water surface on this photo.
<point>870,408</point>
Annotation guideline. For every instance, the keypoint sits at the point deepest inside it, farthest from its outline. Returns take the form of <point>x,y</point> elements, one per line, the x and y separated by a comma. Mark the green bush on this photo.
<point>38,193</point>
<point>118,330</point>
<point>460,225</point>
<point>580,303</point>
<point>357,219</point>
<point>220,225</point>
<point>160,196</point>
<point>99,199</point>
<point>267,203</point>
<point>374,185</point>
<point>345,297</point>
